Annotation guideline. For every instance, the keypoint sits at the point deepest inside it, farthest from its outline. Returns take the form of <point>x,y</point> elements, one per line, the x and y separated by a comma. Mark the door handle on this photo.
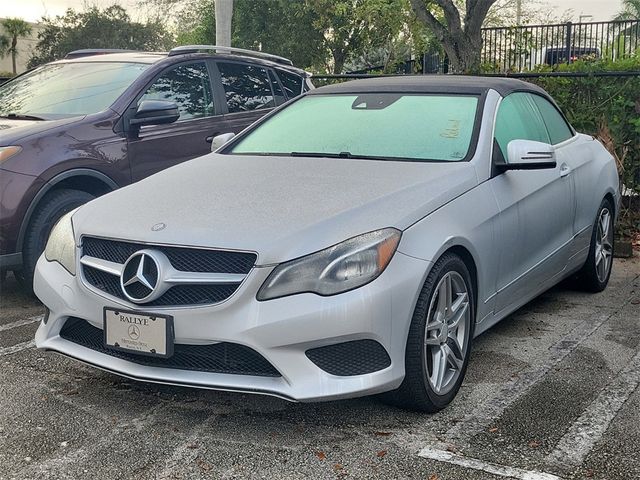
<point>565,170</point>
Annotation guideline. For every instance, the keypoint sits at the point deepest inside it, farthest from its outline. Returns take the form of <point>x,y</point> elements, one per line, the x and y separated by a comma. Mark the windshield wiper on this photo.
<point>20,116</point>
<point>326,155</point>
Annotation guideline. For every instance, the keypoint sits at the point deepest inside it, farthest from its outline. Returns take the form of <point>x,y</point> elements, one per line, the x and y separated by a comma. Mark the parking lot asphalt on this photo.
<point>551,392</point>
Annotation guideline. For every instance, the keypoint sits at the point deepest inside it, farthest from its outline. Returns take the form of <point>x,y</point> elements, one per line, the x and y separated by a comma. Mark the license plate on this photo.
<point>137,332</point>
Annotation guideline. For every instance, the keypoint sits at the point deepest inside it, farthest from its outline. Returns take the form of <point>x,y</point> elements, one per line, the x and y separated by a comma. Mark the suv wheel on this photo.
<point>52,207</point>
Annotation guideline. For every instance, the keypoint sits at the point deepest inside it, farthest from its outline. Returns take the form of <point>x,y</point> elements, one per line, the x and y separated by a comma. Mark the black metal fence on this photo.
<point>527,48</point>
<point>538,47</point>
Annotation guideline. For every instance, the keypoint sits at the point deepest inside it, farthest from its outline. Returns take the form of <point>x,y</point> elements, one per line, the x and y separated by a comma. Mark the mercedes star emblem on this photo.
<point>134,332</point>
<point>141,276</point>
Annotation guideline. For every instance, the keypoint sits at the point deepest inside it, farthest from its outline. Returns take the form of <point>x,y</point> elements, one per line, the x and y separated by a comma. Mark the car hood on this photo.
<point>279,207</point>
<point>11,131</point>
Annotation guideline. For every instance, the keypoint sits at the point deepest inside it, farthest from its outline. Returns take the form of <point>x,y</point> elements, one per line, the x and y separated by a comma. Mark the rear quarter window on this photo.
<point>246,87</point>
<point>292,83</point>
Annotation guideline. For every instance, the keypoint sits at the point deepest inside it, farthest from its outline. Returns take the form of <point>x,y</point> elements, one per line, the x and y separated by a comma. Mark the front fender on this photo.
<point>469,222</point>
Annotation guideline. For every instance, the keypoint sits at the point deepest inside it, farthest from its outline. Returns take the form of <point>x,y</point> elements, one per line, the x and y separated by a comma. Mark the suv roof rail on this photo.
<point>184,49</point>
<point>87,52</point>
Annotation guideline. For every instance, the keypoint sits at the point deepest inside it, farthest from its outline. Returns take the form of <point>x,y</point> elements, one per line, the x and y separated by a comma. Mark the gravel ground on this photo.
<point>551,392</point>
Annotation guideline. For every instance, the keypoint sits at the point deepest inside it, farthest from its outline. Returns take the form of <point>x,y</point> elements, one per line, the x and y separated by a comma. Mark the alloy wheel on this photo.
<point>445,339</point>
<point>604,245</point>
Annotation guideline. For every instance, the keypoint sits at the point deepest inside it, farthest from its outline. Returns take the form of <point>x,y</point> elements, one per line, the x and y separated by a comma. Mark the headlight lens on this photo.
<point>345,266</point>
<point>7,152</point>
<point>61,246</point>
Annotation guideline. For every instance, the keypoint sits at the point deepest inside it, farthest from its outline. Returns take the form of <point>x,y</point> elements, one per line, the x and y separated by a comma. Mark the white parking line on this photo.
<point>20,323</point>
<point>488,467</point>
<point>588,430</point>
<point>481,417</point>
<point>17,348</point>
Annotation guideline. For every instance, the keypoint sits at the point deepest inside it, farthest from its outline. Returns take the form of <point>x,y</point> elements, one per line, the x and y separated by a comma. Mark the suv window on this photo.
<point>519,119</point>
<point>246,87</point>
<point>556,125</point>
<point>292,83</point>
<point>186,85</point>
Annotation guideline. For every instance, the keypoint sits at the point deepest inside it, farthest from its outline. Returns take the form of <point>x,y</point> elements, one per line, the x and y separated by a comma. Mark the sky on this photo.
<point>32,10</point>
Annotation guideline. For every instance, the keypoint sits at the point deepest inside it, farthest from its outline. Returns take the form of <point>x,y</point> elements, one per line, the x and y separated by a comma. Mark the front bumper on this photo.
<point>281,330</point>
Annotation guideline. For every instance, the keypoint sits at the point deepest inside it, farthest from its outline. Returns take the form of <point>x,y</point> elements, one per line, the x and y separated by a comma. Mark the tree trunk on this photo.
<point>338,61</point>
<point>224,13</point>
<point>464,52</point>
<point>14,50</point>
<point>461,40</point>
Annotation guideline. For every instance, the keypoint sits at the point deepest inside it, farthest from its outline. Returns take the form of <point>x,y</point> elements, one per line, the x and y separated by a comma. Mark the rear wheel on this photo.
<point>596,271</point>
<point>52,207</point>
<point>439,340</point>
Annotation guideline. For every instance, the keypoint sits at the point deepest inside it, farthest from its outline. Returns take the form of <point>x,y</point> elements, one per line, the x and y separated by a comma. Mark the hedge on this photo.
<point>606,107</point>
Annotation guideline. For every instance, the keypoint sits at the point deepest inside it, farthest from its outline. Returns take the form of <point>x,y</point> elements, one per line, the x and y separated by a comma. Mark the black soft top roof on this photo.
<point>432,84</point>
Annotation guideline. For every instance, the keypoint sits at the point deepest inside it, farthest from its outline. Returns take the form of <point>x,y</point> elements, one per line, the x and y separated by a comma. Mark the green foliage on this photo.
<point>630,10</point>
<point>606,107</point>
<point>314,34</point>
<point>96,28</point>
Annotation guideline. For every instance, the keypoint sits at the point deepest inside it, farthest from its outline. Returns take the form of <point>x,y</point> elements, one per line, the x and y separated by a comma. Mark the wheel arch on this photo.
<point>83,179</point>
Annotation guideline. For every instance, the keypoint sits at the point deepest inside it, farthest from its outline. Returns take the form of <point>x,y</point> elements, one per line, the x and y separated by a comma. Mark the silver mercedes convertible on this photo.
<point>352,242</point>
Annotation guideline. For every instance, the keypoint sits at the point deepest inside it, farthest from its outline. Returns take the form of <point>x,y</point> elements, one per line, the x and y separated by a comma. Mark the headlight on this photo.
<point>61,246</point>
<point>345,266</point>
<point>7,152</point>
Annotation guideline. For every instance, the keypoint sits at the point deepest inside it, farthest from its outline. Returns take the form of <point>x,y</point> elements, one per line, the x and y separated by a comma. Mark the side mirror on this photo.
<point>155,112</point>
<point>220,140</point>
<point>528,155</point>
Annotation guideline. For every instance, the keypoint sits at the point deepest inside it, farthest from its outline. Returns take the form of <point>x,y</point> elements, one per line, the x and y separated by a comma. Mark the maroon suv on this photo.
<point>80,127</point>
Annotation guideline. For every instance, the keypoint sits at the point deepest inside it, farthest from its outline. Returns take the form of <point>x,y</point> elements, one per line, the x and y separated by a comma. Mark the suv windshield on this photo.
<point>67,89</point>
<point>371,125</point>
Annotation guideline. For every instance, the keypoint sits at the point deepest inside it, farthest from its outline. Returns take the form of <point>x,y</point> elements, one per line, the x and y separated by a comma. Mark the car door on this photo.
<point>578,157</point>
<point>536,208</point>
<point>250,92</point>
<point>157,147</point>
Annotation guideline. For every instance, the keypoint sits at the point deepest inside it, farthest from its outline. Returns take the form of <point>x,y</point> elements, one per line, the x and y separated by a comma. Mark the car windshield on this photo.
<point>380,126</point>
<point>67,89</point>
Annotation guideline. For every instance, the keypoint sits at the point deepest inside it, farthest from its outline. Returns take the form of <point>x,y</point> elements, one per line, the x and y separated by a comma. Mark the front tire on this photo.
<point>439,340</point>
<point>594,275</point>
<point>52,207</point>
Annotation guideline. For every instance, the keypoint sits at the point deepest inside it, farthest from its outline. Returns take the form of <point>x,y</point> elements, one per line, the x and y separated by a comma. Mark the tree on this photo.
<point>15,28</point>
<point>319,34</point>
<point>95,28</point>
<point>461,38</point>
<point>351,27</point>
<point>630,10</point>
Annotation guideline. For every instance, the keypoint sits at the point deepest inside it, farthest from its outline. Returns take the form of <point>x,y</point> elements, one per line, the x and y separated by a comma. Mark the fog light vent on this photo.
<point>356,357</point>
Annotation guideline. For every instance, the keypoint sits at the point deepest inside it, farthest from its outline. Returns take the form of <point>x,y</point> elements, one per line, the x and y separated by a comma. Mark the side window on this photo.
<point>277,91</point>
<point>186,85</point>
<point>557,127</point>
<point>292,83</point>
<point>246,87</point>
<point>519,119</point>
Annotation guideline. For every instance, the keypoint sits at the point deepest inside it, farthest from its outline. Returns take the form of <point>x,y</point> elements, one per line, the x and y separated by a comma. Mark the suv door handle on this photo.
<point>565,170</point>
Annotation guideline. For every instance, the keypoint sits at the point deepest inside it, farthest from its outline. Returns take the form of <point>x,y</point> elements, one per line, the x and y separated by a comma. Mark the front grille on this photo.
<point>182,259</point>
<point>356,357</point>
<point>221,357</point>
<point>179,295</point>
<point>185,259</point>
